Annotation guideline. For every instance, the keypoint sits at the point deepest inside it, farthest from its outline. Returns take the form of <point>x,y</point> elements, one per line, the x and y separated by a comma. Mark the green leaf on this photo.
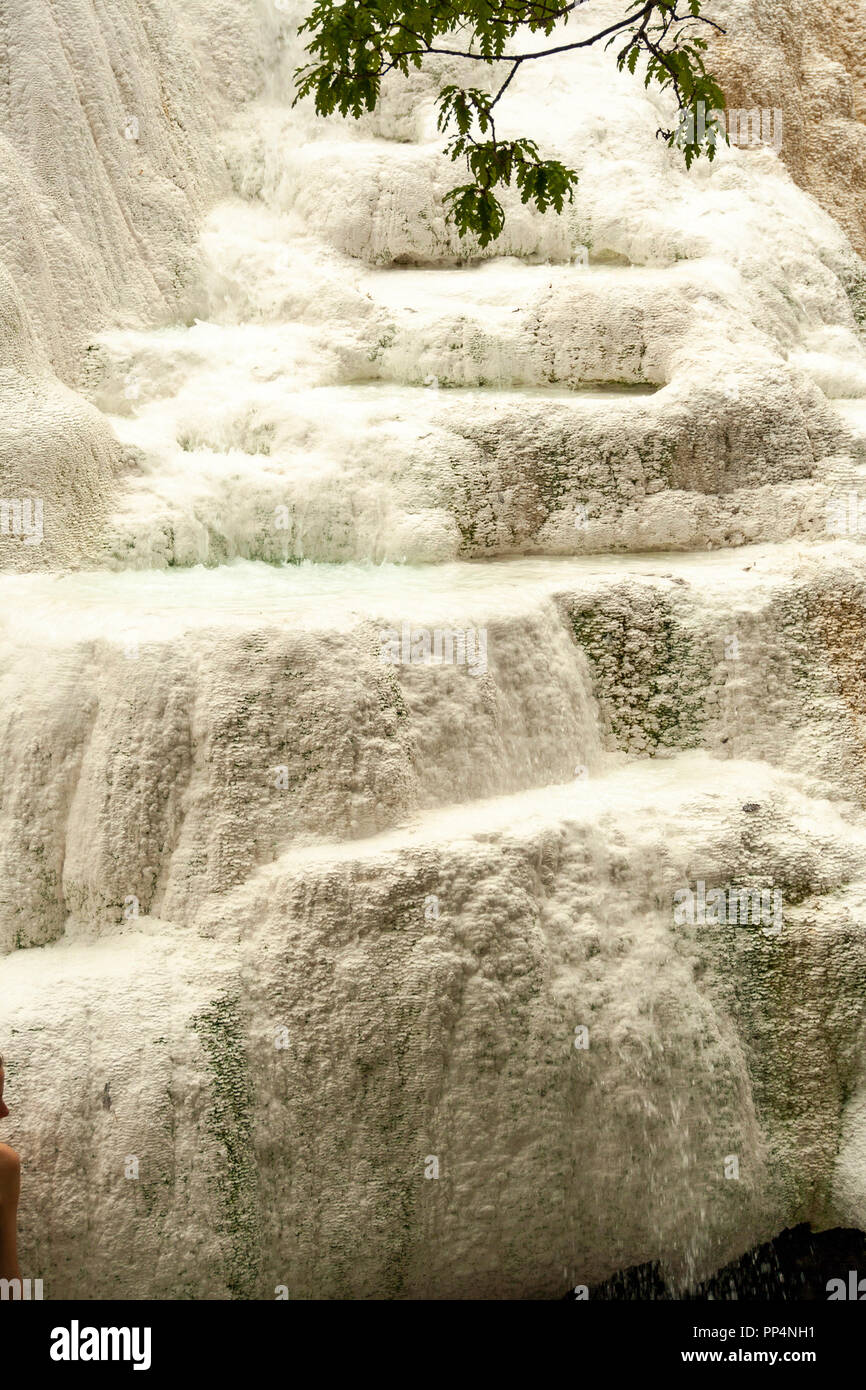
<point>353,44</point>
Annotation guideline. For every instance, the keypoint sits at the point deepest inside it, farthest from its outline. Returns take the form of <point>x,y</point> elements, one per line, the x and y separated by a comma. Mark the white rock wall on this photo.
<point>281,923</point>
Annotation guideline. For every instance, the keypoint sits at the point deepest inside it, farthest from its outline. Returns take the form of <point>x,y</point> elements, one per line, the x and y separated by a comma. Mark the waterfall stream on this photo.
<point>415,631</point>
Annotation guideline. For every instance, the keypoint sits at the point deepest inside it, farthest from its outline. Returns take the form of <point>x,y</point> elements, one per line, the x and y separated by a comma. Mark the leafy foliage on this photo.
<point>353,44</point>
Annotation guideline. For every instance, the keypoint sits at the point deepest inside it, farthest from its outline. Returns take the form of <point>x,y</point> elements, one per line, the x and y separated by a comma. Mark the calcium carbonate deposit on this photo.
<point>433,718</point>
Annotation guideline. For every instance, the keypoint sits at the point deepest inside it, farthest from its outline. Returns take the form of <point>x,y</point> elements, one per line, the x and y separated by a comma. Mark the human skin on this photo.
<point>10,1182</point>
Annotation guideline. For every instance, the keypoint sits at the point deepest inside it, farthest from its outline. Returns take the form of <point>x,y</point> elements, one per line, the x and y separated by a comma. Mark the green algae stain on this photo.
<point>230,1123</point>
<point>650,673</point>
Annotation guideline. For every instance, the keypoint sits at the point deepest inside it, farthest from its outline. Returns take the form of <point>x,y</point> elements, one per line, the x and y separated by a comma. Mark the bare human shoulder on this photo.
<point>10,1175</point>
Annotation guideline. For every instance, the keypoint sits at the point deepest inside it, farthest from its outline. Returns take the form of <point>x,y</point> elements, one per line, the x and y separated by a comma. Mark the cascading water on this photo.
<point>438,620</point>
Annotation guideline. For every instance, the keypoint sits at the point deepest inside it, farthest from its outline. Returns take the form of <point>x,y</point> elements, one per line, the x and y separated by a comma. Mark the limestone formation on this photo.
<point>432,731</point>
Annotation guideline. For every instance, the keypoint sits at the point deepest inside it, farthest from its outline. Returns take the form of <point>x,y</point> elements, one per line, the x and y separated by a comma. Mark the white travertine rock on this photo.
<point>284,925</point>
<point>725,287</point>
<point>129,1056</point>
<point>807,62</point>
<point>107,162</point>
<point>107,132</point>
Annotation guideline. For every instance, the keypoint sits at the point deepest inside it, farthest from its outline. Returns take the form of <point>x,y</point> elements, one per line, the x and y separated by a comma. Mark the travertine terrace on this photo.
<point>284,922</point>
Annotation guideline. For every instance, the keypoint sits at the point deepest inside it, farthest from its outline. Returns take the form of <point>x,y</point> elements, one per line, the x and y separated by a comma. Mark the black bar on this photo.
<point>226,1340</point>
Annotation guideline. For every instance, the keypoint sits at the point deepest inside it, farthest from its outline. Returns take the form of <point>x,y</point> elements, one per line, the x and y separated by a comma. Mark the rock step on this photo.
<point>323,410</point>
<point>635,803</point>
<point>197,724</point>
<point>378,473</point>
<point>513,971</point>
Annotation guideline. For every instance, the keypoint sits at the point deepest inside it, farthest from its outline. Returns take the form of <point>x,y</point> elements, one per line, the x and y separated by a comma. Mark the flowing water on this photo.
<point>450,615</point>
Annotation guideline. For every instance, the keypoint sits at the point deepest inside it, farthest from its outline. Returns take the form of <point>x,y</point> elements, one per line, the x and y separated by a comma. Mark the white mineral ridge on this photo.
<point>282,922</point>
